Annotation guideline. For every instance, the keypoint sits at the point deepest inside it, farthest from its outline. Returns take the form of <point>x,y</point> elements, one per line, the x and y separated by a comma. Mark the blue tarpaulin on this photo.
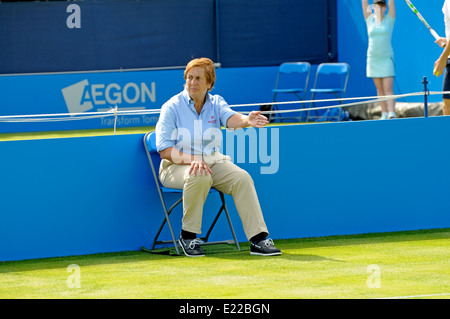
<point>60,36</point>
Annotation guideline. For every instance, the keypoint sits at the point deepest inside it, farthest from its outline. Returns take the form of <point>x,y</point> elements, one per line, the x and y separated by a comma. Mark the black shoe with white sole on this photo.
<point>264,248</point>
<point>191,247</point>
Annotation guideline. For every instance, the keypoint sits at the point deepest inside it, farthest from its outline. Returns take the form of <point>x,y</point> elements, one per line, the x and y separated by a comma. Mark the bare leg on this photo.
<point>380,92</point>
<point>446,107</point>
<point>388,88</point>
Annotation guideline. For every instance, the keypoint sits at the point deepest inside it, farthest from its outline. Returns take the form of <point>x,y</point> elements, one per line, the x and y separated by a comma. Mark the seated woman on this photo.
<point>188,138</point>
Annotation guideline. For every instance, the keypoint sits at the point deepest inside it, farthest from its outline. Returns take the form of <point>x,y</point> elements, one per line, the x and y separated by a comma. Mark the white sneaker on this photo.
<point>392,115</point>
<point>384,116</point>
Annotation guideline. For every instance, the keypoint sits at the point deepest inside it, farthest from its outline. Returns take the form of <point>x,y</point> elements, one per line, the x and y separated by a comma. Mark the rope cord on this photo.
<point>115,112</point>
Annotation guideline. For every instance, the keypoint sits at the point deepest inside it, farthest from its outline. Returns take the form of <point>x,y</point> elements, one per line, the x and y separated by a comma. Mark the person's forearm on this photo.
<point>445,53</point>
<point>440,64</point>
<point>237,121</point>
<point>392,8</point>
<point>175,156</point>
<point>198,166</point>
<point>366,10</point>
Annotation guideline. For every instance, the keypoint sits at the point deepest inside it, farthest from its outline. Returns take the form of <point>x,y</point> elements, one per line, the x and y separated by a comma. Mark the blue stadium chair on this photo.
<point>331,78</point>
<point>154,160</point>
<point>292,78</point>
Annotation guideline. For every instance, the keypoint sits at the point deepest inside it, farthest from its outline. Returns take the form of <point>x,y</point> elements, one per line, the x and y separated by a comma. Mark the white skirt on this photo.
<point>380,67</point>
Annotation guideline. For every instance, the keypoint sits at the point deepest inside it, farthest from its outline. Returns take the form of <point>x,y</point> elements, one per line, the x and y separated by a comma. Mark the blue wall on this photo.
<point>99,35</point>
<point>92,92</point>
<point>414,50</point>
<point>86,195</point>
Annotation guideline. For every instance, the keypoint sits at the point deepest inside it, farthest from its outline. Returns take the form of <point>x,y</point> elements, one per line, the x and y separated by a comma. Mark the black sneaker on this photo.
<point>264,248</point>
<point>191,247</point>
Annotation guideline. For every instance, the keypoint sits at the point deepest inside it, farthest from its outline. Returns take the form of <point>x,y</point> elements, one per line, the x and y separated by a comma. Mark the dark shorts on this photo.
<point>446,85</point>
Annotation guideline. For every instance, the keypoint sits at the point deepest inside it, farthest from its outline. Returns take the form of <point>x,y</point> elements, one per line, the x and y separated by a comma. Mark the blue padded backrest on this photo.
<point>332,75</point>
<point>333,68</point>
<point>151,142</point>
<point>295,67</point>
<point>293,75</point>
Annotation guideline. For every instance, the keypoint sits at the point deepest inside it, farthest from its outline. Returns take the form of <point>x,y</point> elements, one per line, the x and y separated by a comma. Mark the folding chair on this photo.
<point>292,78</point>
<point>154,160</point>
<point>331,78</point>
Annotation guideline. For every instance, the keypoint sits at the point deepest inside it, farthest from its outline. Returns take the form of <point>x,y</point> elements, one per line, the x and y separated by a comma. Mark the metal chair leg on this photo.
<point>222,197</point>
<point>167,219</point>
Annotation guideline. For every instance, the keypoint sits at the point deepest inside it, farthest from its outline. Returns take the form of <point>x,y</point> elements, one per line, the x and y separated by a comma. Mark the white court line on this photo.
<point>416,296</point>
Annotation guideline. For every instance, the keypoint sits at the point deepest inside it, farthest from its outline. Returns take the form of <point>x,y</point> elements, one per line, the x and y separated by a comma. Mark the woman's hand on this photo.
<point>198,167</point>
<point>255,119</point>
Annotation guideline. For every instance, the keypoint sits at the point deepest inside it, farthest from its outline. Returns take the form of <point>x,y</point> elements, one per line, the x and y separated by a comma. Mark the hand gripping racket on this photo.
<point>435,35</point>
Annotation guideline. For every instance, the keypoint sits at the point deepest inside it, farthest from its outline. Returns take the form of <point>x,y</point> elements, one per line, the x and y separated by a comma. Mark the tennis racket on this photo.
<point>411,6</point>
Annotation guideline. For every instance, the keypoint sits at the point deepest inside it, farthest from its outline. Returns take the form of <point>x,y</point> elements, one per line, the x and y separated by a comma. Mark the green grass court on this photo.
<point>411,264</point>
<point>93,132</point>
<point>77,133</point>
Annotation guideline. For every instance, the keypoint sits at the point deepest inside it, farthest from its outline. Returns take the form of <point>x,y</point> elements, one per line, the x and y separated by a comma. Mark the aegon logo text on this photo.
<point>82,96</point>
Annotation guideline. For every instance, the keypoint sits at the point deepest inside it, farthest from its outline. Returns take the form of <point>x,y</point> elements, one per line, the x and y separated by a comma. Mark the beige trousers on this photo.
<point>227,178</point>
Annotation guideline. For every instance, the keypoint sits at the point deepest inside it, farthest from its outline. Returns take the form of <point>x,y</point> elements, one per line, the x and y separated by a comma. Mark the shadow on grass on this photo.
<point>225,251</point>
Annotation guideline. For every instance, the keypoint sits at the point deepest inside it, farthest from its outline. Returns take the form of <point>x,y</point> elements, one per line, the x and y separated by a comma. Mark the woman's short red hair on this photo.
<point>207,65</point>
